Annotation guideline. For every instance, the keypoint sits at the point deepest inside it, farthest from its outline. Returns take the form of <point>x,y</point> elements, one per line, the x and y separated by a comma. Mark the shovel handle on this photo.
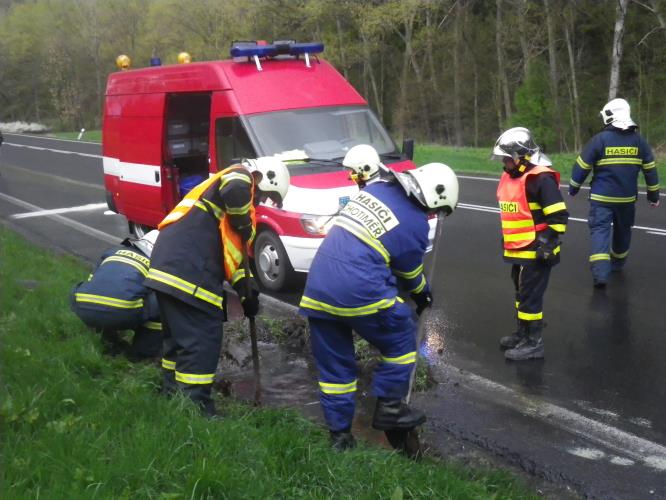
<point>253,337</point>
<point>422,319</point>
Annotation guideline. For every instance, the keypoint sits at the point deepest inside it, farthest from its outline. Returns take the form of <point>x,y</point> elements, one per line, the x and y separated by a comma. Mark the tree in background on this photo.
<point>447,71</point>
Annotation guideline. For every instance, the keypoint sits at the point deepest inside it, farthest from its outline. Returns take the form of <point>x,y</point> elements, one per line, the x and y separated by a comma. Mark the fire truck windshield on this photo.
<point>320,133</point>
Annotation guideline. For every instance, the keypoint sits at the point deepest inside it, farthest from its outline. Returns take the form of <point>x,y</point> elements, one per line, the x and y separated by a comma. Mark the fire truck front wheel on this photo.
<point>272,266</point>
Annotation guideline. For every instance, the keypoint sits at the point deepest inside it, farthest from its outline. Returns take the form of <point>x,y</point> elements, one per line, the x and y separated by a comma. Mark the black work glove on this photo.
<point>250,303</point>
<point>545,250</point>
<point>246,233</point>
<point>653,198</point>
<point>422,300</point>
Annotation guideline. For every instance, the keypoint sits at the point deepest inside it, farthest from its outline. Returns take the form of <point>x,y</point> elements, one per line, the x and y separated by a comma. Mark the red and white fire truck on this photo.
<point>167,127</point>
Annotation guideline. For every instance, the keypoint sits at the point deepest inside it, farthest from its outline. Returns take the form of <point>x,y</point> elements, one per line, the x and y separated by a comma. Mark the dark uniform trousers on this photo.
<point>610,237</point>
<point>530,282</point>
<point>191,348</point>
<point>147,339</point>
<point>391,330</point>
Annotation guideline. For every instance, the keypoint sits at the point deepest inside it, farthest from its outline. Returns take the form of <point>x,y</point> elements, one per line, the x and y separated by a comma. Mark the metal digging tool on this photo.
<point>253,337</point>
<point>407,440</point>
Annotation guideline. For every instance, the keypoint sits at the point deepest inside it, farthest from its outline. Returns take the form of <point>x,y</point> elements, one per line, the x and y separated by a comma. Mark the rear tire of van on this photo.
<point>272,267</point>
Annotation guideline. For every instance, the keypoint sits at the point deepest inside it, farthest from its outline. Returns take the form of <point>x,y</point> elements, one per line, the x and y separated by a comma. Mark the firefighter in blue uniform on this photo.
<point>377,243</point>
<point>533,216</point>
<point>113,298</point>
<point>202,243</point>
<point>615,156</point>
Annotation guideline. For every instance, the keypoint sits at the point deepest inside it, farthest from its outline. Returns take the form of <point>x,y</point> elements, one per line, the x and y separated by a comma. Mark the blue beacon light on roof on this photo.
<point>252,50</point>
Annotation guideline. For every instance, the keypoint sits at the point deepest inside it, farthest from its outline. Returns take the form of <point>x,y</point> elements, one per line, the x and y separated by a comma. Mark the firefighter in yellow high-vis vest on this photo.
<point>533,217</point>
<point>202,243</point>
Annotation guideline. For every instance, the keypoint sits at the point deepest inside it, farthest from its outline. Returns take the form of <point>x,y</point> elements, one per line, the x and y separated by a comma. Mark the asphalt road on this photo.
<point>591,415</point>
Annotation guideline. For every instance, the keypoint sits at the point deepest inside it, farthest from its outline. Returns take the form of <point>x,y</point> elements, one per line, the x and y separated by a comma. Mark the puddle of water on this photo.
<point>289,379</point>
<point>658,463</point>
<point>437,329</point>
<point>589,453</point>
<point>641,422</point>
<point>622,461</point>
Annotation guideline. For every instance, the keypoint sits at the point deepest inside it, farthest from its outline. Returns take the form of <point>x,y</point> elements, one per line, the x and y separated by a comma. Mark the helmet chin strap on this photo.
<point>519,168</point>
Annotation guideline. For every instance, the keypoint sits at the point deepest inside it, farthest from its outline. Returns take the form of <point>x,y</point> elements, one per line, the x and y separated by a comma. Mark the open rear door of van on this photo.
<point>133,151</point>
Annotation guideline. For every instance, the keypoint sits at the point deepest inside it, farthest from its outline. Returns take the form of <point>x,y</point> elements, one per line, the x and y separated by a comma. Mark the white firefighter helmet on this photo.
<point>434,186</point>
<point>517,143</point>
<point>617,112</point>
<point>274,180</point>
<point>146,243</point>
<point>364,163</point>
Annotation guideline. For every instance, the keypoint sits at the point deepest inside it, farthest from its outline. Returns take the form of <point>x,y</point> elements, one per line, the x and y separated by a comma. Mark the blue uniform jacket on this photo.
<point>378,239</point>
<point>116,285</point>
<point>615,157</point>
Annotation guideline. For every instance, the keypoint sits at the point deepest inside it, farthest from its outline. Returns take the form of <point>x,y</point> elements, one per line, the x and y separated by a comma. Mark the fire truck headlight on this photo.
<point>316,224</point>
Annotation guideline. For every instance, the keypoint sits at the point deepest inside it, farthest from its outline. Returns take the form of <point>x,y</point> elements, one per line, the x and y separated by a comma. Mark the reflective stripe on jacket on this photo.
<point>232,244</point>
<point>518,227</point>
<point>116,282</point>
<point>377,242</point>
<point>615,157</point>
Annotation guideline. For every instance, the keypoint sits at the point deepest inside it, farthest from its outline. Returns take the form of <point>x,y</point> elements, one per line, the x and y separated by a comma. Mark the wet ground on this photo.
<point>590,415</point>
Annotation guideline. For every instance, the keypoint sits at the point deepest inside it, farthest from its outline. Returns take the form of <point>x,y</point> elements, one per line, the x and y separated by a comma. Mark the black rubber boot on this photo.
<point>511,341</point>
<point>146,345</point>
<point>113,344</point>
<point>394,414</point>
<point>202,396</point>
<point>342,440</point>
<point>530,346</point>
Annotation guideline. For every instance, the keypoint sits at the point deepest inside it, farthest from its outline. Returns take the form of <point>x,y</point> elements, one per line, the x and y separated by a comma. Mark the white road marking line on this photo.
<point>637,448</point>
<point>40,213</point>
<point>34,136</point>
<point>54,177</point>
<point>62,151</point>
<point>64,220</point>
<point>483,208</point>
<point>496,180</point>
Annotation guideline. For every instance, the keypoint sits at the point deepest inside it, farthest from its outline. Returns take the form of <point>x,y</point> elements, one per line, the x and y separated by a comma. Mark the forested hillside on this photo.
<point>442,71</point>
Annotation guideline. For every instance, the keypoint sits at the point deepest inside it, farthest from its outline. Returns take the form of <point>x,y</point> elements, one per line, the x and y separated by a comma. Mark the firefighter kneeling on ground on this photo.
<point>533,216</point>
<point>113,298</point>
<point>202,243</point>
<point>378,239</point>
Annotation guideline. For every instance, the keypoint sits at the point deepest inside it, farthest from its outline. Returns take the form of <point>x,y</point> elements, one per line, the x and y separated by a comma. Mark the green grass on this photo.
<point>88,135</point>
<point>77,424</point>
<point>477,161</point>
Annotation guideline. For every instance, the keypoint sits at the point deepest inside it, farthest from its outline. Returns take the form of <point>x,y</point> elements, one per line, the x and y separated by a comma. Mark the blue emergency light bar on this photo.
<point>252,49</point>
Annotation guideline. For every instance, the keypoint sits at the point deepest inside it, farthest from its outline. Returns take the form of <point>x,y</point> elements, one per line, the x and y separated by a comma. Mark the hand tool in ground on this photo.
<point>253,337</point>
<point>407,440</point>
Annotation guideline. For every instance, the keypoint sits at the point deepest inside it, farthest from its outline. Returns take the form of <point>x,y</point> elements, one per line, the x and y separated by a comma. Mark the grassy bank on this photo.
<point>477,160</point>
<point>77,424</point>
<point>88,135</point>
